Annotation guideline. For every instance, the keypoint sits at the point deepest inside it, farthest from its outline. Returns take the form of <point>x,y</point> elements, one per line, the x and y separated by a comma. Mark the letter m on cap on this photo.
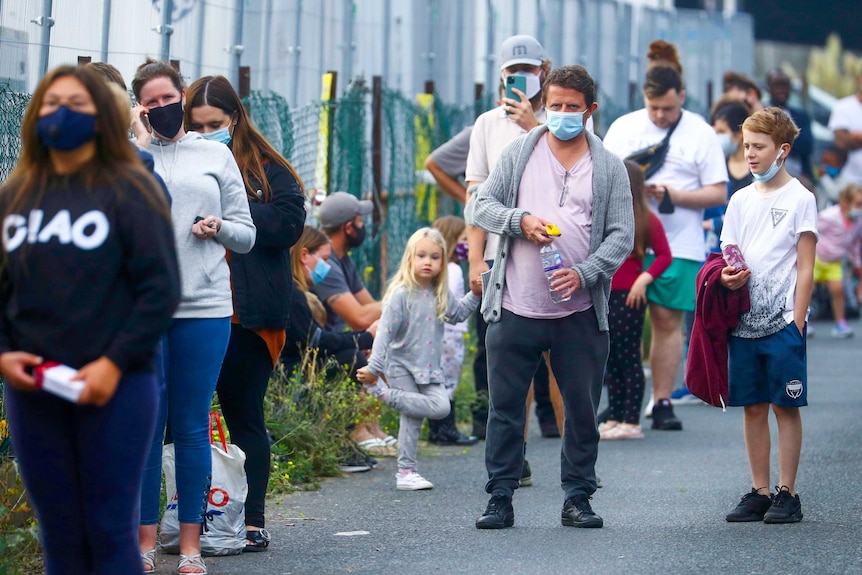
<point>519,50</point>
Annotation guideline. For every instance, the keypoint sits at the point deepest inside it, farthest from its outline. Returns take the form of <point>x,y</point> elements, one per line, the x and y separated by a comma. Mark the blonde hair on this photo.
<point>849,192</point>
<point>406,278</point>
<point>451,227</point>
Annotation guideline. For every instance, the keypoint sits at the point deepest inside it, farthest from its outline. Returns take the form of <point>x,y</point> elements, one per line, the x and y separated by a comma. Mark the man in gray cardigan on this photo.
<point>555,174</point>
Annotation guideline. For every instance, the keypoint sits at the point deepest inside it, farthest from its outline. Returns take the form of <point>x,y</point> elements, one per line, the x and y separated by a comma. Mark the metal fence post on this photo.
<point>166,29</point>
<point>380,206</point>
<point>46,22</point>
<point>106,29</point>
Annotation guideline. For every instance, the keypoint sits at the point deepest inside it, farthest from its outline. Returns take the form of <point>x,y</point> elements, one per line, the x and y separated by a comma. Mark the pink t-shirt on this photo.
<point>540,193</point>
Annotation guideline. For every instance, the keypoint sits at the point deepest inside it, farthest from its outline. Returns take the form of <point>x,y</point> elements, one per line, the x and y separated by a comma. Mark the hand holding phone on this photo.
<point>516,82</point>
<point>733,257</point>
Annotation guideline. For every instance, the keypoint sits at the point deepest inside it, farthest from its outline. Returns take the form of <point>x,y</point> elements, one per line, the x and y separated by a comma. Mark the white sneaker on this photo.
<point>842,331</point>
<point>411,481</point>
<point>623,431</point>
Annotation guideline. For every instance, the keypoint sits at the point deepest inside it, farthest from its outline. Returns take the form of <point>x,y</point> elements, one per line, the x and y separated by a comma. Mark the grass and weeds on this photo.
<point>309,414</point>
<point>19,535</point>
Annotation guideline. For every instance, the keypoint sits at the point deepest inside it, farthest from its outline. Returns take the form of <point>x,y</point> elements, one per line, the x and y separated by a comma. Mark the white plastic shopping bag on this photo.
<point>224,524</point>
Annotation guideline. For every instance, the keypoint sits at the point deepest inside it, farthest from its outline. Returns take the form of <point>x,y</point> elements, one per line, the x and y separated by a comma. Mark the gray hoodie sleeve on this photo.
<point>390,322</point>
<point>237,231</point>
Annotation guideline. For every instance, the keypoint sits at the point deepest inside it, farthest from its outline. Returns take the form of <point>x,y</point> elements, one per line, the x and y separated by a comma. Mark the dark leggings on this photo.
<point>241,388</point>
<point>82,468</point>
<point>624,375</point>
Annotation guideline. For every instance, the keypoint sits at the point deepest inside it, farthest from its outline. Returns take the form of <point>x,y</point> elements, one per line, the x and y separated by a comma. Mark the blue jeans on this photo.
<point>82,469</point>
<point>192,354</point>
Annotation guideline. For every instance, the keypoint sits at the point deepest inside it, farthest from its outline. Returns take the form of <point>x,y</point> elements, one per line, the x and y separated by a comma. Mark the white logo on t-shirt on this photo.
<point>777,216</point>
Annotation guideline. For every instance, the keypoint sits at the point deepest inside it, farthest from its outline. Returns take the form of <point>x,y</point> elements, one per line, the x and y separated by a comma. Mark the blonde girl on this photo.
<point>409,345</point>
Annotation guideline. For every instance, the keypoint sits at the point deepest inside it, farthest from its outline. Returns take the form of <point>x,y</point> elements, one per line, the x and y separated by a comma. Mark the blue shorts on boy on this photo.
<point>771,369</point>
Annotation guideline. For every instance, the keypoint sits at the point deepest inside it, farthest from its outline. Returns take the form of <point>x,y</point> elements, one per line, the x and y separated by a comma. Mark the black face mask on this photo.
<point>356,241</point>
<point>167,120</point>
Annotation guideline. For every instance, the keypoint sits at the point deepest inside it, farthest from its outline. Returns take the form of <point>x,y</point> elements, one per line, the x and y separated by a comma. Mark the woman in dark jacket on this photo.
<point>309,265</point>
<point>260,280</point>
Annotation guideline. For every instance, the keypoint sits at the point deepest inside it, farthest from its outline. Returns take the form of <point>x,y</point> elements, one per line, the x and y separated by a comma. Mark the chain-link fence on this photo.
<point>332,146</point>
<point>12,106</point>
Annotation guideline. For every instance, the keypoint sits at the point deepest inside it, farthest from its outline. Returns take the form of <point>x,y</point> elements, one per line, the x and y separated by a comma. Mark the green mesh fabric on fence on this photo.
<point>12,107</point>
<point>410,127</point>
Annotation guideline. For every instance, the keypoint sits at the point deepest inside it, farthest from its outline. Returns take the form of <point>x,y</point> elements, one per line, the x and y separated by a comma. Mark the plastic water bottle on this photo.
<point>552,261</point>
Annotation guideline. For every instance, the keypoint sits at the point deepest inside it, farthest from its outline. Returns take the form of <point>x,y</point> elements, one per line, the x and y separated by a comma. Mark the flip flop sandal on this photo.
<point>259,540</point>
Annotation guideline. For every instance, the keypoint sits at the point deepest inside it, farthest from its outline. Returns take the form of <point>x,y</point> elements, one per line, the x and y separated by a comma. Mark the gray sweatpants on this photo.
<point>578,353</point>
<point>415,402</point>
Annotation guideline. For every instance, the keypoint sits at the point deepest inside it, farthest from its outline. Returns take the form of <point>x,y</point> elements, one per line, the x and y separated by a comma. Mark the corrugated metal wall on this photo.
<point>289,43</point>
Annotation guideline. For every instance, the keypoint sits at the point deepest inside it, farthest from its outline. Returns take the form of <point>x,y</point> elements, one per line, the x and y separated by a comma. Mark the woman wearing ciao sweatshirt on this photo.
<point>210,214</point>
<point>88,279</point>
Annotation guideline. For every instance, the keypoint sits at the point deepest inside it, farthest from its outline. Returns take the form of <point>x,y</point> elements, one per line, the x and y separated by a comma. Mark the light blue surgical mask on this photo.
<point>728,146</point>
<point>222,136</point>
<point>770,171</point>
<point>320,271</point>
<point>565,125</point>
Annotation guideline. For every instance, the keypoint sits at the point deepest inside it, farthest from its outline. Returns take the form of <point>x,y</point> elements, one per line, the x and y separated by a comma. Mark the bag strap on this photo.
<point>214,416</point>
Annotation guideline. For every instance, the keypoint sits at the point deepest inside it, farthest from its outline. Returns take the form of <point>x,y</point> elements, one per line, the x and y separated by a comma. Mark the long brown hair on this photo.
<point>250,149</point>
<point>114,162</point>
<point>311,239</point>
<point>451,227</point>
<point>643,240</point>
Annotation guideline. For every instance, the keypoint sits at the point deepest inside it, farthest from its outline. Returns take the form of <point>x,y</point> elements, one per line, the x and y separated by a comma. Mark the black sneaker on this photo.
<point>752,507</point>
<point>785,508</point>
<point>353,461</point>
<point>577,512</point>
<point>498,515</point>
<point>663,417</point>
<point>526,479</point>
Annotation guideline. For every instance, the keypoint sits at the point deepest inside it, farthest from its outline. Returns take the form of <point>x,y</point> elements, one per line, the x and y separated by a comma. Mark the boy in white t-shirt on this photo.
<point>774,223</point>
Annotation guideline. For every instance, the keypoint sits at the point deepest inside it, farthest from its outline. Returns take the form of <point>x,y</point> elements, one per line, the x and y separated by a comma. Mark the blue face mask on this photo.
<point>728,146</point>
<point>66,129</point>
<point>222,136</point>
<point>565,125</point>
<point>320,271</point>
<point>770,171</point>
<point>832,171</point>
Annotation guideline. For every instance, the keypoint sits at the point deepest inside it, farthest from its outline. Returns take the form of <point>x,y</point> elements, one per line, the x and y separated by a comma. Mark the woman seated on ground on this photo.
<point>308,258</point>
<point>309,265</point>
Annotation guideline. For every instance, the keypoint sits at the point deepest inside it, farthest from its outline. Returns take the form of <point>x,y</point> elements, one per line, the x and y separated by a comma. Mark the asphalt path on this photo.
<point>664,500</point>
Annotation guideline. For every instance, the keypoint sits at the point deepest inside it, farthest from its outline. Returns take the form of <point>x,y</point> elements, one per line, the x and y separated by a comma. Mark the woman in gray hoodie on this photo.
<point>210,214</point>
